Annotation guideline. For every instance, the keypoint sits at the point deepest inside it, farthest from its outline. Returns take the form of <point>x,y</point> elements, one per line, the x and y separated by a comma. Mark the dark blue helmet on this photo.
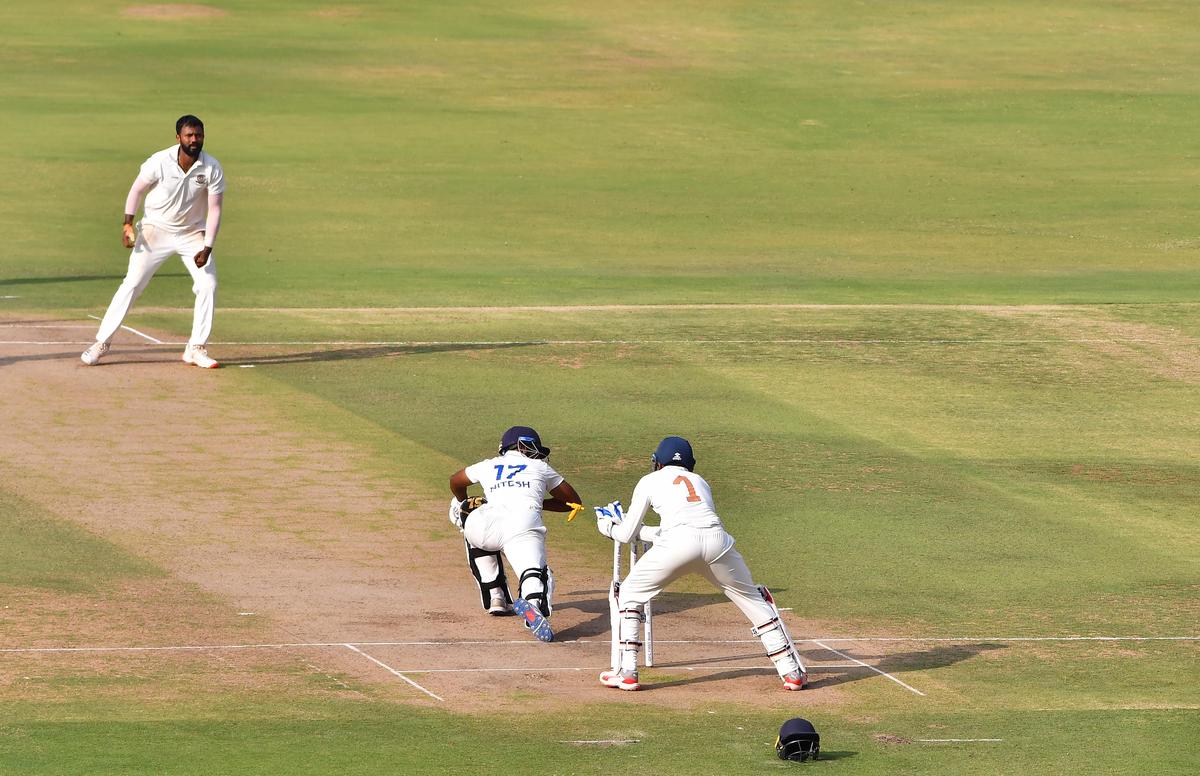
<point>526,442</point>
<point>674,451</point>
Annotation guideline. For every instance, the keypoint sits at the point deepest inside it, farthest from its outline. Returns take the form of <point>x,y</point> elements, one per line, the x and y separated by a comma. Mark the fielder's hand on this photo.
<point>128,235</point>
<point>607,516</point>
<point>202,257</point>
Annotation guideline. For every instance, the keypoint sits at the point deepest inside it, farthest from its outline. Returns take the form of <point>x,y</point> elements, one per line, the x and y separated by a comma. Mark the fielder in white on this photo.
<point>509,521</point>
<point>182,216</point>
<point>690,538</point>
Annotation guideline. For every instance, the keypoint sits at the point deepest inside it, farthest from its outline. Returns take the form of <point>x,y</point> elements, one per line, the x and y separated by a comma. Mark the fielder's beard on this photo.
<point>193,150</point>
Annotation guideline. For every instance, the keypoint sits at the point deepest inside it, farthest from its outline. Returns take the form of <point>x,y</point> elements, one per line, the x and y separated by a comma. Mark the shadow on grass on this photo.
<point>365,352</point>
<point>664,603</point>
<point>77,279</point>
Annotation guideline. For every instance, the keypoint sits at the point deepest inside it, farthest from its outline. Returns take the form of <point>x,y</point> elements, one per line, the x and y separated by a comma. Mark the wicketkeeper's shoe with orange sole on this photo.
<point>538,625</point>
<point>795,680</point>
<point>197,355</point>
<point>622,680</point>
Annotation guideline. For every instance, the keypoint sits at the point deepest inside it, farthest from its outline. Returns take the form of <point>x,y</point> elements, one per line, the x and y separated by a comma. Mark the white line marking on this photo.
<point>10,297</point>
<point>584,642</point>
<point>666,669</point>
<point>585,343</point>
<point>135,331</point>
<point>873,668</point>
<point>611,741</point>
<point>385,666</point>
<point>959,740</point>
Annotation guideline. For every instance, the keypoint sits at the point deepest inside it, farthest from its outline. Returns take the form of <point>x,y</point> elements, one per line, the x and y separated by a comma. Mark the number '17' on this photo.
<point>513,470</point>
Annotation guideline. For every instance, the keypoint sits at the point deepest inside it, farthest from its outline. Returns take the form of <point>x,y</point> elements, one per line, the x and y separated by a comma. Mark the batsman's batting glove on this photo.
<point>456,513</point>
<point>460,509</point>
<point>607,516</point>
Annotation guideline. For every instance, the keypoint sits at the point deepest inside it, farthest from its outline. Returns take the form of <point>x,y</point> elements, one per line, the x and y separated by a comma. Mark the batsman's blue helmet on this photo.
<point>674,451</point>
<point>798,740</point>
<point>525,441</point>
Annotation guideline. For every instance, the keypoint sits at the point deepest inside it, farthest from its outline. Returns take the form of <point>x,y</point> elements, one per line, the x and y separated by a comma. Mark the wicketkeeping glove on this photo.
<point>460,509</point>
<point>607,516</point>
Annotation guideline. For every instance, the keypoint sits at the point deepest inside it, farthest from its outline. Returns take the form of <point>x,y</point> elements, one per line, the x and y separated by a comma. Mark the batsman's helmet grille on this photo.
<point>524,440</point>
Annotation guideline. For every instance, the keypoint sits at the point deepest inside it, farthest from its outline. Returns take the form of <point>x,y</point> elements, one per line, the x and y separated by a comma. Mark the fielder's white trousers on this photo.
<point>519,534</point>
<point>153,247</point>
<point>708,552</point>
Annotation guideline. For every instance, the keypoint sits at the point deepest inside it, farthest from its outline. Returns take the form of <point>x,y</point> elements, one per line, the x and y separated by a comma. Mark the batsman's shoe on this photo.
<point>92,355</point>
<point>500,606</point>
<point>538,625</point>
<point>197,355</point>
<point>795,680</point>
<point>622,680</point>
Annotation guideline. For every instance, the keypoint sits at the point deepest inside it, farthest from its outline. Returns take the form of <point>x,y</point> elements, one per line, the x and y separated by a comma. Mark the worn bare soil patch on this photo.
<point>189,469</point>
<point>173,11</point>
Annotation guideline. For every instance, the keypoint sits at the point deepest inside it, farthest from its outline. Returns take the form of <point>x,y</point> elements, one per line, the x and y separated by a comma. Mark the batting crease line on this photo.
<point>527,642</point>
<point>873,668</point>
<point>515,343</point>
<point>135,331</point>
<point>663,667</point>
<point>385,666</point>
<point>959,740</point>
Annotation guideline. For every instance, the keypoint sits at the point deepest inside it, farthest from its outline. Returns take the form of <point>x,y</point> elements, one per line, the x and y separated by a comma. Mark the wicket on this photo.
<point>635,548</point>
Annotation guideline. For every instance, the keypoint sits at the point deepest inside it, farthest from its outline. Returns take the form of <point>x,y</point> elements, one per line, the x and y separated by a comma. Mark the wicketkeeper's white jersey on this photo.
<point>179,200</point>
<point>515,481</point>
<point>681,498</point>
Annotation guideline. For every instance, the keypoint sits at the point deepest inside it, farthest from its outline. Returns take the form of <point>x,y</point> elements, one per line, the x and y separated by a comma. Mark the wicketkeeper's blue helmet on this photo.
<point>674,451</point>
<point>525,441</point>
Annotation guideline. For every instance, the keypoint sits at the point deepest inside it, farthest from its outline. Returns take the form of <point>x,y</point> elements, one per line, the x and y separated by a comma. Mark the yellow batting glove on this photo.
<point>574,510</point>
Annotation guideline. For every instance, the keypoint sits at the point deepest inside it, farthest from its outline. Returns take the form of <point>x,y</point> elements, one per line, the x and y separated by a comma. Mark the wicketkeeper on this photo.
<point>689,539</point>
<point>508,519</point>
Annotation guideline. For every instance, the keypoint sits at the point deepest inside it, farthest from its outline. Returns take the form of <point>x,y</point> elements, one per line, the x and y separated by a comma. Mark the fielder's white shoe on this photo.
<point>500,606</point>
<point>197,355</point>
<point>92,355</point>
<point>795,680</point>
<point>622,680</point>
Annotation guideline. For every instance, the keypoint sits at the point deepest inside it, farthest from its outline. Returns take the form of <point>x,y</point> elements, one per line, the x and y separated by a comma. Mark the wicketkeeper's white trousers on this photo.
<point>709,553</point>
<point>153,247</point>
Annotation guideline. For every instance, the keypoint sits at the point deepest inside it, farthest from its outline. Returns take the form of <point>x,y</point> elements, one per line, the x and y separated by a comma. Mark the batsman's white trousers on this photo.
<point>520,534</point>
<point>152,248</point>
<point>708,552</point>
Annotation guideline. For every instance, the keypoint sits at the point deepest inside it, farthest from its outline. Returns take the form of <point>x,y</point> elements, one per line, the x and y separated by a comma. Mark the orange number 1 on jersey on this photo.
<point>691,491</point>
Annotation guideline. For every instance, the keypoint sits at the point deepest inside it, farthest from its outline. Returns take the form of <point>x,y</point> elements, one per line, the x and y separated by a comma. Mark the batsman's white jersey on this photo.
<point>691,539</point>
<point>511,520</point>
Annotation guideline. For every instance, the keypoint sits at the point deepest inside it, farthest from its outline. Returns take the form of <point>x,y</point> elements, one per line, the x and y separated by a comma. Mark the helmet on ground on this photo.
<point>798,740</point>
<point>673,451</point>
<point>525,441</point>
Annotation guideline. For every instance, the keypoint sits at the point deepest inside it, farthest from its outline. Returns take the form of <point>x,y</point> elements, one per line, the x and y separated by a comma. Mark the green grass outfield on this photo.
<point>900,462</point>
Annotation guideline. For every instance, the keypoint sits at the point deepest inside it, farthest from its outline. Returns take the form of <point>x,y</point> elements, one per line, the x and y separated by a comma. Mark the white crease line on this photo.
<point>960,740</point>
<point>385,666</point>
<point>135,331</point>
<point>10,297</point>
<point>972,639</point>
<point>873,668</point>
<point>585,642</point>
<point>657,667</point>
<point>533,343</point>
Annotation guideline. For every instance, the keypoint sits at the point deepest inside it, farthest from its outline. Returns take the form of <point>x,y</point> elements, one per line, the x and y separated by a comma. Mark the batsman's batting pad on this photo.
<point>536,586</point>
<point>798,740</point>
<point>487,564</point>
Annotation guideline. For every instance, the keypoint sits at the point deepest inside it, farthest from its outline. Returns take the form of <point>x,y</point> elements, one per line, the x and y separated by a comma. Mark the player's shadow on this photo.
<point>77,279</point>
<point>894,663</point>
<point>367,351</point>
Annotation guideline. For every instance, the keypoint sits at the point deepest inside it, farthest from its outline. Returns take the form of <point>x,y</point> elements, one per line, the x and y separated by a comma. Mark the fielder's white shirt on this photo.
<point>512,481</point>
<point>681,498</point>
<point>178,202</point>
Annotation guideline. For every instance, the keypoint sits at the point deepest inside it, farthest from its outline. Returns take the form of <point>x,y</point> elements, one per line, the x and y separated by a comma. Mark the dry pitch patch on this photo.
<point>184,468</point>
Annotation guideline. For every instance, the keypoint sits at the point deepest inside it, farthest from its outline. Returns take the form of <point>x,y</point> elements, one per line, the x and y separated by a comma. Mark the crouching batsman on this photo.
<point>508,519</point>
<point>689,539</point>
